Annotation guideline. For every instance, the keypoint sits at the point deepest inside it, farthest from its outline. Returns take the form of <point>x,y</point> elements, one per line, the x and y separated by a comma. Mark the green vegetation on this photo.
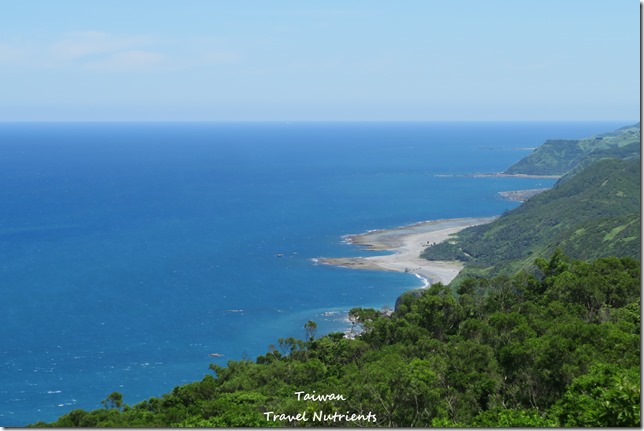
<point>595,213</point>
<point>527,337</point>
<point>558,157</point>
<point>561,348</point>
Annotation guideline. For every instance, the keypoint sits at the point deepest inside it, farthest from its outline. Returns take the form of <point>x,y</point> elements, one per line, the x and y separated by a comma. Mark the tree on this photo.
<point>113,401</point>
<point>310,327</point>
<point>437,311</point>
<point>608,396</point>
<point>507,418</point>
<point>289,345</point>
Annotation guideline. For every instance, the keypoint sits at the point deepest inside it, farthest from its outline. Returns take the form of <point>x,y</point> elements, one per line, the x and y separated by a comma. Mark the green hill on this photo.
<point>557,157</point>
<point>595,213</point>
<point>558,350</point>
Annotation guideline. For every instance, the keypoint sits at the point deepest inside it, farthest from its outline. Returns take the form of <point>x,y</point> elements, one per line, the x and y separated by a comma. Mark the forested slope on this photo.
<point>560,156</point>
<point>559,349</point>
<point>595,213</point>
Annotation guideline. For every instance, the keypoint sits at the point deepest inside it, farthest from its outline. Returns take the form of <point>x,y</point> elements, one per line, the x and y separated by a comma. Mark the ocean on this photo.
<point>129,252</point>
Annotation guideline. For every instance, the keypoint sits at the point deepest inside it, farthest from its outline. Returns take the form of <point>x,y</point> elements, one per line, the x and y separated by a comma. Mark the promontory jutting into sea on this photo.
<point>135,255</point>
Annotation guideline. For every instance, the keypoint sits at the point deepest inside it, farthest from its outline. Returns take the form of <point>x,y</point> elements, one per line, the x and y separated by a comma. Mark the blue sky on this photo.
<point>282,60</point>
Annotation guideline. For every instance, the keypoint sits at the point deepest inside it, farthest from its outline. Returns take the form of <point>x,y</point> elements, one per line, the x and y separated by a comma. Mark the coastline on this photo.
<point>407,243</point>
<point>500,175</point>
<point>522,195</point>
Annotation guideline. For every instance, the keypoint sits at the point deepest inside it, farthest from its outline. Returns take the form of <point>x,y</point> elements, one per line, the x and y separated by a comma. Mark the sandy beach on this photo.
<point>407,243</point>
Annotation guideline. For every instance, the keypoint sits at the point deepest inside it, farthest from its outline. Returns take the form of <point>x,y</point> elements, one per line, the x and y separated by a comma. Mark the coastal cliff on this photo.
<point>561,156</point>
<point>592,212</point>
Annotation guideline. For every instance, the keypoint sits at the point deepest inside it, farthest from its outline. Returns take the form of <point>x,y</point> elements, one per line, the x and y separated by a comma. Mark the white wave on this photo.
<point>426,282</point>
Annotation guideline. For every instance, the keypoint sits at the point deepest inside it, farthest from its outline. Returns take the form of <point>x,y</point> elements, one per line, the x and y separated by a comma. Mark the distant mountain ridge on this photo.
<point>561,156</point>
<point>594,211</point>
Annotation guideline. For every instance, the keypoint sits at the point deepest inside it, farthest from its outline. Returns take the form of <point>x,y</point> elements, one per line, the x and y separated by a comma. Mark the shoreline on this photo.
<point>522,195</point>
<point>500,175</point>
<point>407,242</point>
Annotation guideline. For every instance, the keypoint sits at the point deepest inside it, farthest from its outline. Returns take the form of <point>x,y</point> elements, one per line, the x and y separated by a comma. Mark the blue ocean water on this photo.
<point>130,252</point>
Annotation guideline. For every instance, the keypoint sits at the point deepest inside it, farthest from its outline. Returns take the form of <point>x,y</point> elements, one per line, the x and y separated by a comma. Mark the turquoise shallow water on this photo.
<point>130,252</point>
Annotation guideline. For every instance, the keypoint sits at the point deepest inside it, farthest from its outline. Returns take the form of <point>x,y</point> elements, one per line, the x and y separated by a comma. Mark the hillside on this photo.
<point>595,213</point>
<point>559,350</point>
<point>557,157</point>
<point>558,346</point>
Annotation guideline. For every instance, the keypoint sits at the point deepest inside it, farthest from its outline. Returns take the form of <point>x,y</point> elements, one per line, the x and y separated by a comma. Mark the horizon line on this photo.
<point>75,121</point>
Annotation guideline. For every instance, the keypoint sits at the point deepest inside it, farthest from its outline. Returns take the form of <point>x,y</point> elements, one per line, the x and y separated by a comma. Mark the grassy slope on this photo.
<point>595,213</point>
<point>557,157</point>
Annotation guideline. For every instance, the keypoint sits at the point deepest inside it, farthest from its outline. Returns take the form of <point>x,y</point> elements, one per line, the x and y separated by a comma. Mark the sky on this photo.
<point>319,60</point>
